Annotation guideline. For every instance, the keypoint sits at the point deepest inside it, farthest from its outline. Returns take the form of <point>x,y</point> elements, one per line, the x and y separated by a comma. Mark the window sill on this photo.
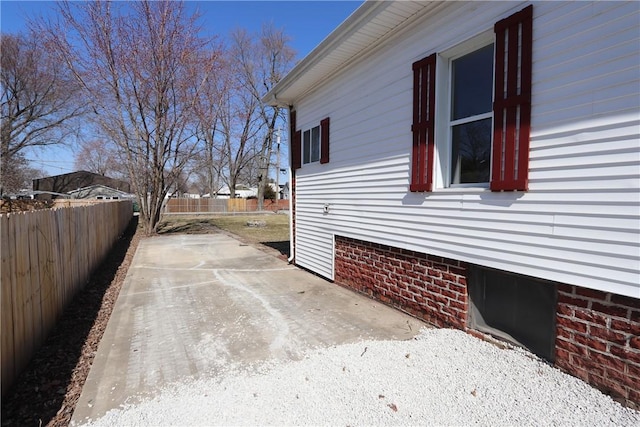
<point>464,189</point>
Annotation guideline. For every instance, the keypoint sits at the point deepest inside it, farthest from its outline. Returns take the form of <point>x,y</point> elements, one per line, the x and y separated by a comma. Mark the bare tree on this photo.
<point>143,66</point>
<point>210,162</point>
<point>207,171</point>
<point>39,100</point>
<point>228,127</point>
<point>235,128</point>
<point>251,170</point>
<point>261,63</point>
<point>240,127</point>
<point>100,157</point>
<point>18,175</point>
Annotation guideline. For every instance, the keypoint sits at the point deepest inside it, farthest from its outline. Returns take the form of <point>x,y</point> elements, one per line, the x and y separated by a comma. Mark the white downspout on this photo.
<point>291,245</point>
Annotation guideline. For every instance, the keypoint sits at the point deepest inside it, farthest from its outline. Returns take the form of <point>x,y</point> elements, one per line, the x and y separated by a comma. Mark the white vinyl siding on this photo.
<point>578,223</point>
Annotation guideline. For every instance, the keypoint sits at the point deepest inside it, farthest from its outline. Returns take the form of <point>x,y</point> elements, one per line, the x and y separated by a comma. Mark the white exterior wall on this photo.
<point>579,223</point>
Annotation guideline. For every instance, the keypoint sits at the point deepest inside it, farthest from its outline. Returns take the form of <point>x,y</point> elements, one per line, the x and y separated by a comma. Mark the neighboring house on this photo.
<point>242,192</point>
<point>191,193</point>
<point>77,180</point>
<point>477,164</point>
<point>284,191</point>
<point>100,192</point>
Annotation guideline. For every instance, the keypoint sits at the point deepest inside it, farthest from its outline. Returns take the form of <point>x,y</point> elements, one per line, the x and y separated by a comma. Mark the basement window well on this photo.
<point>515,308</point>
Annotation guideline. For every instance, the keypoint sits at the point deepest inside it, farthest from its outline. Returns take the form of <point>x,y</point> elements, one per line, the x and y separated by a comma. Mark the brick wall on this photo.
<point>427,287</point>
<point>598,339</point>
<point>597,333</point>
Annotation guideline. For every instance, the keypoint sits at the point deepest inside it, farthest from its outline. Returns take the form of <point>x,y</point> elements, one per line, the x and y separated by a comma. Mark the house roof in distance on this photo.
<point>78,179</point>
<point>99,189</point>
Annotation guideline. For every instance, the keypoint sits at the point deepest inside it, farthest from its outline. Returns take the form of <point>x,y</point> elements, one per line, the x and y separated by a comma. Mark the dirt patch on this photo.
<point>271,236</point>
<point>192,226</point>
<point>46,393</point>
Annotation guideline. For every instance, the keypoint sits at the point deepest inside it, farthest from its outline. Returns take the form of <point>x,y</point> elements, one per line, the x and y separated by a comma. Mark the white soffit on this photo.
<point>359,33</point>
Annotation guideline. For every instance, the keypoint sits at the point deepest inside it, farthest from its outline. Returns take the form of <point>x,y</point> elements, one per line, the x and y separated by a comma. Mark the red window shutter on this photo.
<point>296,140</point>
<point>292,122</point>
<point>296,151</point>
<point>424,97</point>
<point>324,140</point>
<point>512,103</point>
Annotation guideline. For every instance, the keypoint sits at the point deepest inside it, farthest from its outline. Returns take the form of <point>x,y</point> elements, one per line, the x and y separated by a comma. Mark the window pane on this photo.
<point>472,83</point>
<point>471,152</point>
<point>306,147</point>
<point>315,144</point>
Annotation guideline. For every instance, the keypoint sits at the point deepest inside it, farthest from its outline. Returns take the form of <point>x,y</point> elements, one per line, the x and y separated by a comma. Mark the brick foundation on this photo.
<point>427,287</point>
<point>597,333</point>
<point>598,340</point>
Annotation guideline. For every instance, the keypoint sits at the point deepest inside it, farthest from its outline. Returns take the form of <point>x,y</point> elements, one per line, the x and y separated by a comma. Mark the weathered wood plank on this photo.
<point>34,279</point>
<point>47,283</point>
<point>22,304</point>
<point>6,316</point>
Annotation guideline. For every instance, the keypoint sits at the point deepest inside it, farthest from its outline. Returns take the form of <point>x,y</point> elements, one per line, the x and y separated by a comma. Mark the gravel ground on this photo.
<point>442,377</point>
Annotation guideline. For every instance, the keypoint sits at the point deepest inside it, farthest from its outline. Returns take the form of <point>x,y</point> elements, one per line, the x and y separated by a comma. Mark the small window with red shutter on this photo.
<point>315,143</point>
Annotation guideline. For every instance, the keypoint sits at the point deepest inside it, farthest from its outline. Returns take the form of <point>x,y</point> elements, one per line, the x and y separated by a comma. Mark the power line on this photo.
<point>53,164</point>
<point>48,161</point>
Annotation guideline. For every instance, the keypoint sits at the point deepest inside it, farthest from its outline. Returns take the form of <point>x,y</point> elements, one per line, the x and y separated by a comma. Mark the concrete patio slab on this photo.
<point>196,305</point>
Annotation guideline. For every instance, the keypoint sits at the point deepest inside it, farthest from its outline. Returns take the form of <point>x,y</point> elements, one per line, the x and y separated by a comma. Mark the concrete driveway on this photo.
<point>198,305</point>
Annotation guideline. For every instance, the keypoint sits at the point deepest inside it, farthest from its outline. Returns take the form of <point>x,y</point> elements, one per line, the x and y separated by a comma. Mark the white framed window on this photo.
<point>465,113</point>
<point>311,145</point>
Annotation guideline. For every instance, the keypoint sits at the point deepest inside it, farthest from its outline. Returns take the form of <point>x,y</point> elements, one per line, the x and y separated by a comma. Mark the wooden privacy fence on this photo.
<point>222,205</point>
<point>47,256</point>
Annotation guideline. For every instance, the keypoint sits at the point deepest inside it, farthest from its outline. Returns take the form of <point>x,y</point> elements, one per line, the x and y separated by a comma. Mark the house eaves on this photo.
<point>367,27</point>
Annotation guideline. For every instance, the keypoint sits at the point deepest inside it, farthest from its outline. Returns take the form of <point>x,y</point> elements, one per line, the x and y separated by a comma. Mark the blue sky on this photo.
<point>306,22</point>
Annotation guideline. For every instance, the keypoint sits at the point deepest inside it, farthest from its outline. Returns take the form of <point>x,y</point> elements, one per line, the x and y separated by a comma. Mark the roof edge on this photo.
<point>351,24</point>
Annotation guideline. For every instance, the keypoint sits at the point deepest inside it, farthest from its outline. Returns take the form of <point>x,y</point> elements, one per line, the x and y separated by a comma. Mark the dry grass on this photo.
<point>274,234</point>
<point>276,229</point>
